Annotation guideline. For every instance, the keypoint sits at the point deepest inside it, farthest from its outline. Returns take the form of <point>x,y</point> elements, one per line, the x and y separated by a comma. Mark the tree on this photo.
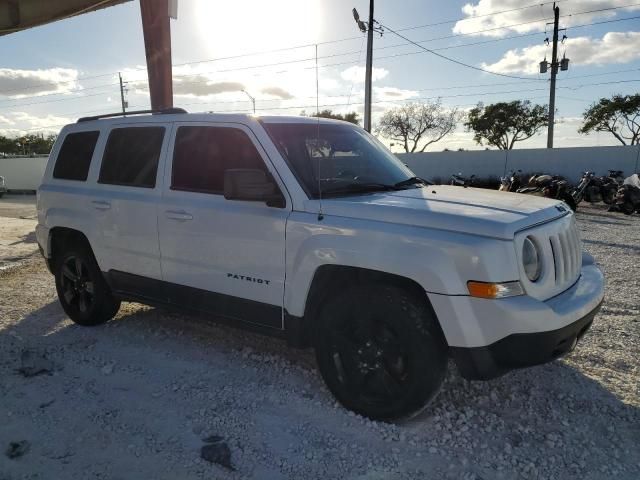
<point>27,144</point>
<point>351,117</point>
<point>505,123</point>
<point>417,123</point>
<point>7,145</point>
<point>618,115</point>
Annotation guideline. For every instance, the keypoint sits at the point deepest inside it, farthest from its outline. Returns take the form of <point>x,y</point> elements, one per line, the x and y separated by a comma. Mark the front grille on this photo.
<point>561,249</point>
<point>567,254</point>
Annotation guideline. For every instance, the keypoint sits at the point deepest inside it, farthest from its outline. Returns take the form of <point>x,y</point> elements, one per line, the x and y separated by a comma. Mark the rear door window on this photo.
<point>131,156</point>
<point>74,158</point>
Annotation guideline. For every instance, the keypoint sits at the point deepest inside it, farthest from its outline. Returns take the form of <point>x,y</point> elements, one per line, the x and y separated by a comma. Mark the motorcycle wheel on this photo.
<point>609,194</point>
<point>627,208</point>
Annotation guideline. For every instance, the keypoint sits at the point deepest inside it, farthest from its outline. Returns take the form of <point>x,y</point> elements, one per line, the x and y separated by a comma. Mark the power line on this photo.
<point>47,84</point>
<point>55,84</point>
<point>301,107</point>
<point>10,103</point>
<point>453,60</point>
<point>409,42</point>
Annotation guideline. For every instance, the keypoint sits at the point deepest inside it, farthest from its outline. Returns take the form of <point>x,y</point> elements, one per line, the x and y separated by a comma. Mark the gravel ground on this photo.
<point>136,397</point>
<point>18,206</point>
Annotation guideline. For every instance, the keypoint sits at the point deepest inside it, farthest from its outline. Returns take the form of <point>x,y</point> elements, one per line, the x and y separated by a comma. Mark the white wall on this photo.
<point>23,173</point>
<point>568,162</point>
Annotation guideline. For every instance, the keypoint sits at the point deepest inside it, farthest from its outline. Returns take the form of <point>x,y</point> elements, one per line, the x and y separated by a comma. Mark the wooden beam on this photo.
<point>157,43</point>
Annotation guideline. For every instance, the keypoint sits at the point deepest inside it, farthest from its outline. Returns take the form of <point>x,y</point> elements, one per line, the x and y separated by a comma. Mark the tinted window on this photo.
<point>335,156</point>
<point>202,154</point>
<point>131,156</point>
<point>75,155</point>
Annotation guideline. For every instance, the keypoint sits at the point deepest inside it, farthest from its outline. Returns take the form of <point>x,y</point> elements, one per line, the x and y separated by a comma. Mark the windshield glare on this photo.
<point>333,157</point>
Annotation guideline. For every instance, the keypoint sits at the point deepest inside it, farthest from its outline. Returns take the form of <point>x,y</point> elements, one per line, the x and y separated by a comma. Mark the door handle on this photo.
<point>178,215</point>
<point>100,205</point>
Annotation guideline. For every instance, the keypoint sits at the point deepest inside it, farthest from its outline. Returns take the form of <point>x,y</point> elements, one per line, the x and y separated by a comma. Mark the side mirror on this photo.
<point>251,185</point>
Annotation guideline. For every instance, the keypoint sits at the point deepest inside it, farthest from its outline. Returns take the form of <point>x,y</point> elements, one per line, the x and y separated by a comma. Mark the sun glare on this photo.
<point>240,26</point>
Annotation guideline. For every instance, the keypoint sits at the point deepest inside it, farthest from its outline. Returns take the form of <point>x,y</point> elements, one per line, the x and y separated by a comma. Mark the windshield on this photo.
<point>338,159</point>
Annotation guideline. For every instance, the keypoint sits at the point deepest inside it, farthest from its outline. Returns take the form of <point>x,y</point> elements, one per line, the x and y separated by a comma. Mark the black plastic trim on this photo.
<point>149,291</point>
<point>520,350</point>
<point>165,111</point>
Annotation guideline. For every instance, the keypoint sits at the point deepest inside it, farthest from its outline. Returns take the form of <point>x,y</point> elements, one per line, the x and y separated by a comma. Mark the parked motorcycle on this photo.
<point>510,183</point>
<point>627,198</point>
<point>597,189</point>
<point>461,181</point>
<point>550,186</point>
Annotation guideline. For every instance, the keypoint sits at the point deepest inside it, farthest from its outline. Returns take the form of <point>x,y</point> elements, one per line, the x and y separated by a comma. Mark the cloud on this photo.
<point>530,19</point>
<point>277,92</point>
<point>24,122</point>
<point>393,93</point>
<point>356,74</point>
<point>20,83</point>
<point>614,47</point>
<point>201,86</point>
<point>6,120</point>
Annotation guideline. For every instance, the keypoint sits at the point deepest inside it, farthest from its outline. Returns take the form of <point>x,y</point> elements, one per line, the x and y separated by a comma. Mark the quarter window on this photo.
<point>202,154</point>
<point>74,158</point>
<point>131,156</point>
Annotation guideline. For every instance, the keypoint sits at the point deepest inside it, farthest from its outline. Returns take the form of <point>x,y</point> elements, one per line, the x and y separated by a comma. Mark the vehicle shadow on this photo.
<point>28,238</point>
<point>38,323</point>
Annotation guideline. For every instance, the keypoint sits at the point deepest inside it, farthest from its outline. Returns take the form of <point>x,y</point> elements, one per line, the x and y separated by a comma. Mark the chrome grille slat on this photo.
<point>559,259</point>
<point>566,255</point>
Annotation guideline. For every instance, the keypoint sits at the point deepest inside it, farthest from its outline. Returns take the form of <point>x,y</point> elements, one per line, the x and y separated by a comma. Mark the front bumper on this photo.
<point>490,337</point>
<point>520,350</point>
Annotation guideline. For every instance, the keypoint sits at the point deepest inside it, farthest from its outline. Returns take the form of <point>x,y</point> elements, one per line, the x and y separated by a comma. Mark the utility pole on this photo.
<point>554,72</point>
<point>367,81</point>
<point>122,100</point>
<point>369,28</point>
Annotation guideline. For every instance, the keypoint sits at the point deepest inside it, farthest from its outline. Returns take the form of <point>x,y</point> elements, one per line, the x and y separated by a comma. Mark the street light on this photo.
<point>253,100</point>
<point>361,25</point>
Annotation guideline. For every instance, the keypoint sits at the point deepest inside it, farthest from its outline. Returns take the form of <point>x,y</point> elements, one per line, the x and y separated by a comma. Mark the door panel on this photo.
<point>126,214</point>
<point>232,248</point>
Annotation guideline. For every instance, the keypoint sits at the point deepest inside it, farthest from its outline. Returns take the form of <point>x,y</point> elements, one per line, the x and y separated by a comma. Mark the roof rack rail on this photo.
<point>164,111</point>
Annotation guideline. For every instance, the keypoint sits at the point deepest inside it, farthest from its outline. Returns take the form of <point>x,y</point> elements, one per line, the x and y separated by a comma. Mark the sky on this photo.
<point>53,74</point>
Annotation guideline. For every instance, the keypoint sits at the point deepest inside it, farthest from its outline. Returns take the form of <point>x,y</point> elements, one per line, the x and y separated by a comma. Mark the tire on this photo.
<point>609,194</point>
<point>627,208</point>
<point>569,200</point>
<point>82,290</point>
<point>380,351</point>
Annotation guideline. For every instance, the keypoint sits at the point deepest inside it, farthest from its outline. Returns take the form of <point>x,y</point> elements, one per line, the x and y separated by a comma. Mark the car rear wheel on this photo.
<point>380,351</point>
<point>82,290</point>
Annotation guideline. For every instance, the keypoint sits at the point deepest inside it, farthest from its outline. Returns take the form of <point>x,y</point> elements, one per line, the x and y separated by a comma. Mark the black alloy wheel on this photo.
<point>82,290</point>
<point>77,287</point>
<point>380,350</point>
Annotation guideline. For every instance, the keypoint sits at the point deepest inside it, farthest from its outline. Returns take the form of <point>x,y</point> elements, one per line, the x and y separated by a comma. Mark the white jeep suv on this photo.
<point>311,230</point>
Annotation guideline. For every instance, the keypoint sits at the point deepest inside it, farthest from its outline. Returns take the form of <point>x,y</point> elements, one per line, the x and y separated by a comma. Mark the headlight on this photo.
<point>531,260</point>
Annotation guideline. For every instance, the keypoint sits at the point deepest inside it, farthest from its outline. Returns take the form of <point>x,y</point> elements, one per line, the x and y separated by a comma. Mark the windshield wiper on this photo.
<point>359,188</point>
<point>410,181</point>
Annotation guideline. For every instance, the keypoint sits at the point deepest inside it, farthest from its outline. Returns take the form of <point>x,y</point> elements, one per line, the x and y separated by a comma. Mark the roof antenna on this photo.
<point>320,214</point>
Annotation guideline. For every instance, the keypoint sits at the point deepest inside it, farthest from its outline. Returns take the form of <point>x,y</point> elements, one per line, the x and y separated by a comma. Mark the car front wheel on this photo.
<point>380,351</point>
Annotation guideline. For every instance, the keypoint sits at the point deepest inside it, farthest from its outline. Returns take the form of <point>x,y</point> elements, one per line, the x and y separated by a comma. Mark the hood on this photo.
<point>476,211</point>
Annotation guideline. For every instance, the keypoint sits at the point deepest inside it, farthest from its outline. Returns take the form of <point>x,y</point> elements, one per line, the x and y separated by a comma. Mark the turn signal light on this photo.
<point>494,290</point>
